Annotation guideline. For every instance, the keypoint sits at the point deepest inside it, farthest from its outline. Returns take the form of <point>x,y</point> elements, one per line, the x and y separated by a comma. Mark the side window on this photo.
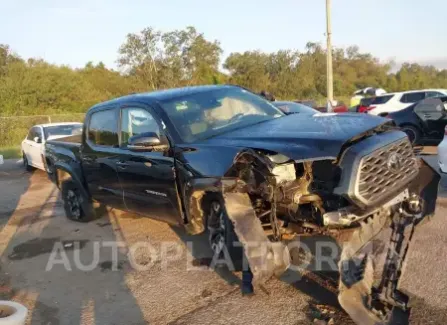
<point>31,134</point>
<point>38,132</point>
<point>34,132</point>
<point>434,94</point>
<point>103,128</point>
<point>135,121</point>
<point>412,97</point>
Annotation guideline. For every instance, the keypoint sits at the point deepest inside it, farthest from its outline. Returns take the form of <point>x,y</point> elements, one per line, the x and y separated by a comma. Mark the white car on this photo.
<point>442,153</point>
<point>33,147</point>
<point>393,102</point>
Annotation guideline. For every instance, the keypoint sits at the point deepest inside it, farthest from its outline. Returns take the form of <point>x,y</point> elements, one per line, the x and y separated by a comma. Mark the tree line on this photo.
<point>152,59</point>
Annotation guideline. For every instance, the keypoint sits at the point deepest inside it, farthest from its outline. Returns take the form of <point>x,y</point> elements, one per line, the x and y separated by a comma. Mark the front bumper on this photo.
<point>357,294</point>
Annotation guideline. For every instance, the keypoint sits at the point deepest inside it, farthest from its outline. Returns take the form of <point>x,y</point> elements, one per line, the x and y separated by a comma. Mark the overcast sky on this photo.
<point>75,32</point>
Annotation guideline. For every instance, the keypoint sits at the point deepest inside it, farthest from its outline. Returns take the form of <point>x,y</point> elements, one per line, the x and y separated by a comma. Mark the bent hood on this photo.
<point>301,136</point>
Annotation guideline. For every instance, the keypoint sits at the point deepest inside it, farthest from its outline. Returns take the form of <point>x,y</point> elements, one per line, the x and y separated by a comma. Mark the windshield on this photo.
<point>292,108</point>
<point>62,130</point>
<point>206,114</point>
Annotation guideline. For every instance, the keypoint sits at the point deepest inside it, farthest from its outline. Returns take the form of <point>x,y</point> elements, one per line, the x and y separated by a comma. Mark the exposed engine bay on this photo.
<point>320,194</point>
<point>352,199</point>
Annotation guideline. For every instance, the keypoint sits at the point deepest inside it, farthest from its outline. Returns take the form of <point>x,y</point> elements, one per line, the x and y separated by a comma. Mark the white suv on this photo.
<point>392,102</point>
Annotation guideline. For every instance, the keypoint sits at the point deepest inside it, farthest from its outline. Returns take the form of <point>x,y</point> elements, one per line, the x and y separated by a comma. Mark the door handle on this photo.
<point>89,159</point>
<point>122,164</point>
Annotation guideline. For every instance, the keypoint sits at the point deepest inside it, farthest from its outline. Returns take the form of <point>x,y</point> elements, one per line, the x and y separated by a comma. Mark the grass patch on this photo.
<point>10,152</point>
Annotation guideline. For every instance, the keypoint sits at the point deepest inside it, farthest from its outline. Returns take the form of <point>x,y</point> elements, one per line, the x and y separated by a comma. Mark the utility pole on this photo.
<point>330,84</point>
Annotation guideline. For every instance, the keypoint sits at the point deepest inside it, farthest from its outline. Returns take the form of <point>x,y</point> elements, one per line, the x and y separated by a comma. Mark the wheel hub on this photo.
<point>410,134</point>
<point>216,227</point>
<point>73,204</point>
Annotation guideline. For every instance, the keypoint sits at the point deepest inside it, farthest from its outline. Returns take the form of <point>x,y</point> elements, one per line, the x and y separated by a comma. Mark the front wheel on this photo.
<point>413,134</point>
<point>221,235</point>
<point>77,207</point>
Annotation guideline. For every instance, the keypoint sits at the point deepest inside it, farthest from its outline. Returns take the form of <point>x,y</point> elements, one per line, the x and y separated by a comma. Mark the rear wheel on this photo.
<point>221,233</point>
<point>26,164</point>
<point>413,134</point>
<point>77,207</point>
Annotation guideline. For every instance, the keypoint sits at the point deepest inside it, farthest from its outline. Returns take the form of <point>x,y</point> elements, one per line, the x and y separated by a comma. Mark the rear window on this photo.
<point>62,130</point>
<point>379,100</point>
<point>366,101</point>
<point>103,128</point>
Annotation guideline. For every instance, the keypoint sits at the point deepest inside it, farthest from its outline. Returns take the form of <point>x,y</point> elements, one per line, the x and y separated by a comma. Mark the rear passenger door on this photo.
<point>147,177</point>
<point>100,153</point>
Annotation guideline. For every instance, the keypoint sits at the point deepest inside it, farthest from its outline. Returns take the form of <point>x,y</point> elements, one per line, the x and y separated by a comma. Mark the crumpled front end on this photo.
<point>370,300</point>
<point>374,187</point>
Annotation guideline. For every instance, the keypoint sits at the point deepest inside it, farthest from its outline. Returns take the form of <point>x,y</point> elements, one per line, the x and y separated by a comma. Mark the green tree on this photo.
<point>176,58</point>
<point>248,69</point>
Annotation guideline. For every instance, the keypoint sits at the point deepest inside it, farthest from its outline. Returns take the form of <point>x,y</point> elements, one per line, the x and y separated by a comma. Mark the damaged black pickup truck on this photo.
<point>222,159</point>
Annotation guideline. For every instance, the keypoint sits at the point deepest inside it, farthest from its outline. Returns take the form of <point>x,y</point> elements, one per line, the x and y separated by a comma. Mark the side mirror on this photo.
<point>37,140</point>
<point>143,142</point>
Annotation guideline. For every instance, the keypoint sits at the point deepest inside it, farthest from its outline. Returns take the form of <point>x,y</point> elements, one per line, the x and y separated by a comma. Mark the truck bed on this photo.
<point>64,151</point>
<point>72,139</point>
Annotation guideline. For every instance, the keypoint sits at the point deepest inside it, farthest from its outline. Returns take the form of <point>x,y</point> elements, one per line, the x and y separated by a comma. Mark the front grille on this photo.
<point>384,170</point>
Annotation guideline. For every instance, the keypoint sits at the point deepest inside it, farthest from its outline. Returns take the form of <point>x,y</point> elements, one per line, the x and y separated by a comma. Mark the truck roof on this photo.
<point>57,124</point>
<point>161,95</point>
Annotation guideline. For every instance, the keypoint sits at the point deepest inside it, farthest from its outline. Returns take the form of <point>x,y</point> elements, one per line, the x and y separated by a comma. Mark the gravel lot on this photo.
<point>32,222</point>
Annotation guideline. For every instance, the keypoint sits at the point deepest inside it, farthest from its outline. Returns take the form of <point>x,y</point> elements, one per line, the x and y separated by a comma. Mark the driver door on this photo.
<point>147,177</point>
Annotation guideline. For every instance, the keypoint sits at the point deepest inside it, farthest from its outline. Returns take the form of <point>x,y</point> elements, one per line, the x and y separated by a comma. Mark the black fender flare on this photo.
<point>67,169</point>
<point>193,193</point>
<point>402,125</point>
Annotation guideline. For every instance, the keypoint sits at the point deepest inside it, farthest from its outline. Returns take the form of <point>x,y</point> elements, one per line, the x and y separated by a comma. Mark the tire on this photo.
<point>77,207</point>
<point>51,171</point>
<point>27,166</point>
<point>413,133</point>
<point>12,313</point>
<point>221,232</point>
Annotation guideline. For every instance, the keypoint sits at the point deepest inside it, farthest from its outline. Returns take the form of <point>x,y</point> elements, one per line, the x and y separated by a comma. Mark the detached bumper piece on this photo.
<point>385,304</point>
<point>264,257</point>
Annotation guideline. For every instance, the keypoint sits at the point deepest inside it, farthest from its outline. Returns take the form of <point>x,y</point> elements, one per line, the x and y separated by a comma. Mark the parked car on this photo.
<point>307,102</point>
<point>224,159</point>
<point>423,122</point>
<point>393,102</point>
<point>364,104</point>
<point>340,107</point>
<point>294,108</point>
<point>33,146</point>
<point>442,153</point>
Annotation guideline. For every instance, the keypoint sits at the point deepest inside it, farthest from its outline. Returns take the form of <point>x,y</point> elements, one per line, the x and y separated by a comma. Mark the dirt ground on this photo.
<point>32,222</point>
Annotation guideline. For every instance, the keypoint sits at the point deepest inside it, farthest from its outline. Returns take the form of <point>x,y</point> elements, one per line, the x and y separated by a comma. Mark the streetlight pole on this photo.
<point>330,85</point>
